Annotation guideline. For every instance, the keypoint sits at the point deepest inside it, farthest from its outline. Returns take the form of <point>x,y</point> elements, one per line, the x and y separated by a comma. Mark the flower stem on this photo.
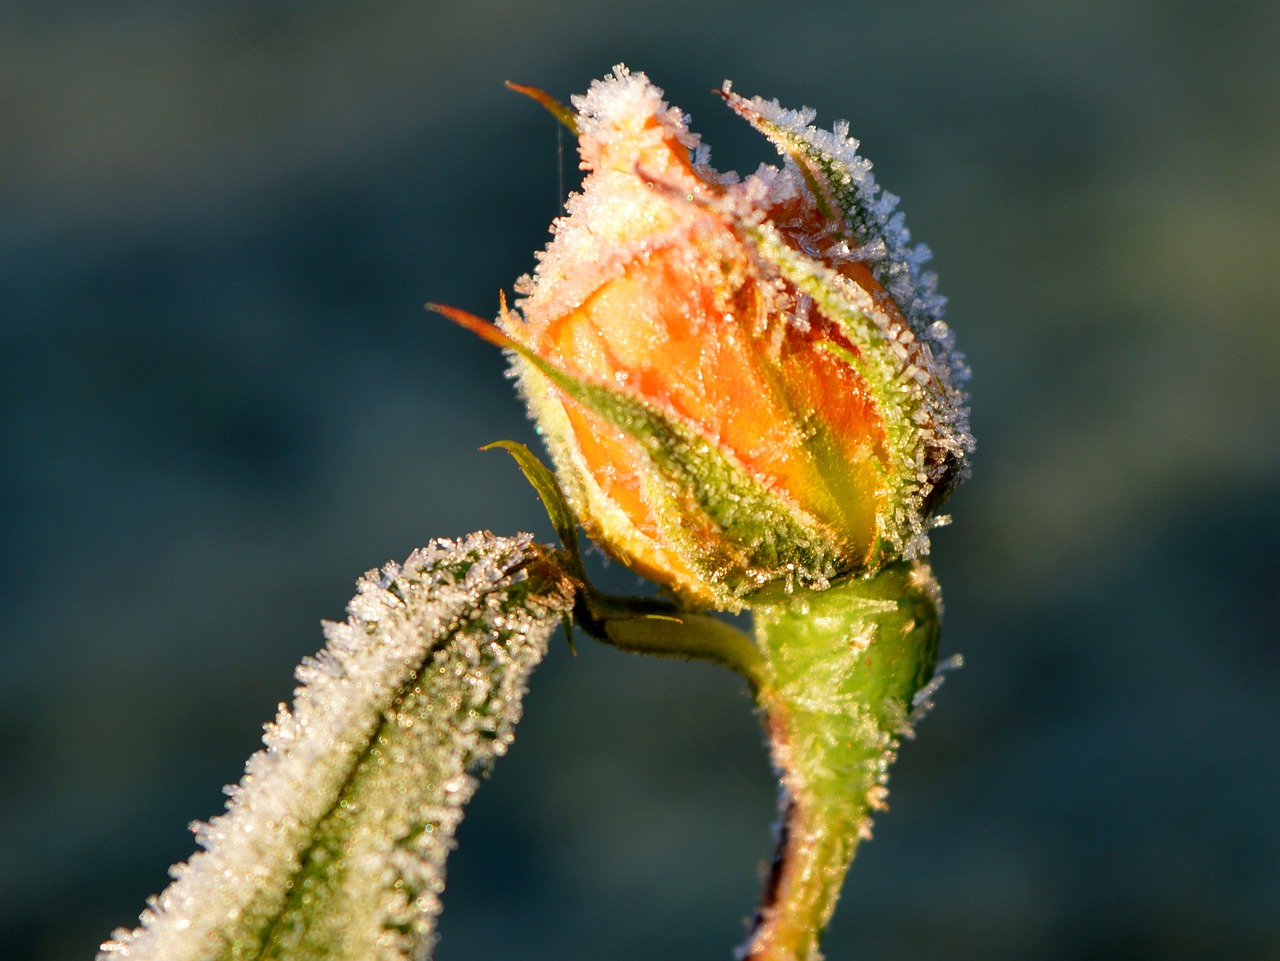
<point>841,669</point>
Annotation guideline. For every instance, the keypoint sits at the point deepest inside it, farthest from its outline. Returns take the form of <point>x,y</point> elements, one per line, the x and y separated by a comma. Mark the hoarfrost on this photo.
<point>334,843</point>
<point>922,703</point>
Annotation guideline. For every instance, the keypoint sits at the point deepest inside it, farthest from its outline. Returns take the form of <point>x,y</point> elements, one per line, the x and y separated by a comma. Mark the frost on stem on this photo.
<point>334,843</point>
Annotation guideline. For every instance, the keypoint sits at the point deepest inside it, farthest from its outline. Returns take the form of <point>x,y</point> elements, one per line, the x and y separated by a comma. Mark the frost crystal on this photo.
<point>333,845</point>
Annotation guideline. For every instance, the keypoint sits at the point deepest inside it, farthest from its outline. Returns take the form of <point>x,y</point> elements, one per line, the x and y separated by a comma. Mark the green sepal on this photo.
<point>541,478</point>
<point>769,532</point>
<point>635,624</point>
<point>638,625</point>
<point>902,401</point>
<point>830,180</point>
<point>762,537</point>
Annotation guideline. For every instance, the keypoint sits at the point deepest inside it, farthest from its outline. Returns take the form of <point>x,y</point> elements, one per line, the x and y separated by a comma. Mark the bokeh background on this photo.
<point>221,401</point>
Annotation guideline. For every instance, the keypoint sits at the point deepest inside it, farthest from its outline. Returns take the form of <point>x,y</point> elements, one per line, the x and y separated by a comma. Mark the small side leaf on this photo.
<point>544,482</point>
<point>334,844</point>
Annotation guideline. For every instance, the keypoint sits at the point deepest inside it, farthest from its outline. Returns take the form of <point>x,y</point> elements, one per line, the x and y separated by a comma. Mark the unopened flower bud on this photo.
<point>741,381</point>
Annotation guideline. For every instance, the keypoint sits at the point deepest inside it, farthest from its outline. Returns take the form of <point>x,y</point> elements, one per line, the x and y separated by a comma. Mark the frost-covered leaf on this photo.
<point>333,846</point>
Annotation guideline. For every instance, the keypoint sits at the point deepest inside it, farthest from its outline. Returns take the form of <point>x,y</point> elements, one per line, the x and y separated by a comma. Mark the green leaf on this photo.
<point>334,844</point>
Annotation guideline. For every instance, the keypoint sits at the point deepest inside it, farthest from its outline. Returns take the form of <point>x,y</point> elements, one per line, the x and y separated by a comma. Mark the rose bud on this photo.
<point>742,382</point>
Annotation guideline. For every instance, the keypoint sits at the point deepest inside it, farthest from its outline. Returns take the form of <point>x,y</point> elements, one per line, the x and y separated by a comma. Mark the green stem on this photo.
<point>841,669</point>
<point>646,626</point>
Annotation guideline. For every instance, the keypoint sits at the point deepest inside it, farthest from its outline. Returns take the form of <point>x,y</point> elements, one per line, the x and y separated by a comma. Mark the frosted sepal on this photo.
<point>334,844</point>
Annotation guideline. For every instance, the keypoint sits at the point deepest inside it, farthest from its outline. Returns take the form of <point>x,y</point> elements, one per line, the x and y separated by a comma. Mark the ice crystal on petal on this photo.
<point>629,98</point>
<point>922,703</point>
<point>333,845</point>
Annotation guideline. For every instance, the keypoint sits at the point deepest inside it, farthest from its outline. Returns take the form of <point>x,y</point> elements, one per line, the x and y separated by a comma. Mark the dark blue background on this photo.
<point>220,401</point>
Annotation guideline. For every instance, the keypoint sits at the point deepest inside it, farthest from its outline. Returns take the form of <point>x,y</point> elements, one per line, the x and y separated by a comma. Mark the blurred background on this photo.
<point>221,401</point>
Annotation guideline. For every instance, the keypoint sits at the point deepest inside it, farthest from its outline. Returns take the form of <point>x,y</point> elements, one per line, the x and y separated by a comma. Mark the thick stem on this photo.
<point>841,669</point>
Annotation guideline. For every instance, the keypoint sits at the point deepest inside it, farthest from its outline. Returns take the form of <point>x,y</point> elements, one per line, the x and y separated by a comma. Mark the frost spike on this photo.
<point>334,844</point>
